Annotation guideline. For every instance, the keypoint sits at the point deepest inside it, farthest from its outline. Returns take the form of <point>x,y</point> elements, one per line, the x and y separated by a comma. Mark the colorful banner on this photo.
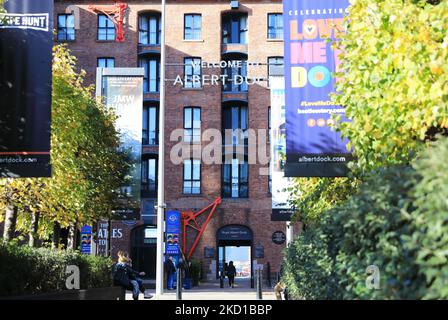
<point>172,233</point>
<point>281,210</point>
<point>313,147</point>
<point>26,42</point>
<point>123,90</point>
<point>86,239</point>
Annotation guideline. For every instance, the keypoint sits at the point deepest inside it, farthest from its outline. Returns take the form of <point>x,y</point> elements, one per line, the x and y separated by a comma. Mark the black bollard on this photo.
<point>259,285</point>
<point>221,280</point>
<point>179,285</point>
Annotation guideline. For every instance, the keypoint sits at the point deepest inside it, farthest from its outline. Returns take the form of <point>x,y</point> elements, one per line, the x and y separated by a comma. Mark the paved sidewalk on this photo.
<point>212,291</point>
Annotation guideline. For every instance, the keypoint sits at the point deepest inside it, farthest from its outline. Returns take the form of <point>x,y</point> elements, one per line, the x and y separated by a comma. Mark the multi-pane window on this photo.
<point>234,29</point>
<point>106,28</point>
<point>149,176</point>
<point>275,26</point>
<point>150,132</point>
<point>236,80</point>
<point>151,79</point>
<point>192,176</point>
<point>66,27</point>
<point>192,124</point>
<point>193,27</point>
<point>149,29</point>
<point>192,71</point>
<point>105,63</point>
<point>236,167</point>
<point>276,66</point>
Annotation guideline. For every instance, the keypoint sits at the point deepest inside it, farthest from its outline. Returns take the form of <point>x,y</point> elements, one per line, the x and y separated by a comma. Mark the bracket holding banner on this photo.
<point>115,13</point>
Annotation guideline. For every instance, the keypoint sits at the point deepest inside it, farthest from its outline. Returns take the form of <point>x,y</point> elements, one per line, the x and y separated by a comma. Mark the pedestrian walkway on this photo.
<point>212,291</point>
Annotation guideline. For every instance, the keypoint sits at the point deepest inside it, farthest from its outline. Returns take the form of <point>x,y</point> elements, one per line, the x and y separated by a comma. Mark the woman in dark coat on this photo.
<point>231,272</point>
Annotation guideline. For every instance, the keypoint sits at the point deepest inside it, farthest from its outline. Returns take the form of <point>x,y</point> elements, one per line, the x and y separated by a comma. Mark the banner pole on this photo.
<point>161,162</point>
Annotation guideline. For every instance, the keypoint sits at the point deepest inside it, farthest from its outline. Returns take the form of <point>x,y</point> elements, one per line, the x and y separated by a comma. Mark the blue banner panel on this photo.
<point>26,42</point>
<point>313,147</point>
<point>86,239</point>
<point>172,233</point>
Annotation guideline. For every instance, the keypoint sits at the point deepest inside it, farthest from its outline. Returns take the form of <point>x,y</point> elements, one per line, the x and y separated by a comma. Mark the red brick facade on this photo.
<point>254,211</point>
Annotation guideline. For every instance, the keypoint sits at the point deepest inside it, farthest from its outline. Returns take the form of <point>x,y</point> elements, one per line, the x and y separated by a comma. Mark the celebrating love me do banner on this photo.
<point>313,147</point>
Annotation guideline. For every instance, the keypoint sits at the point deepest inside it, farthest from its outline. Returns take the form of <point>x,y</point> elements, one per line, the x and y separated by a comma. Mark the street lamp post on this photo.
<point>161,167</point>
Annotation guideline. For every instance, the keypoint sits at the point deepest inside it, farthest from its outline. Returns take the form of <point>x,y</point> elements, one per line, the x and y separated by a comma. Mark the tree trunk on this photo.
<point>56,235</point>
<point>33,237</point>
<point>72,233</point>
<point>10,223</point>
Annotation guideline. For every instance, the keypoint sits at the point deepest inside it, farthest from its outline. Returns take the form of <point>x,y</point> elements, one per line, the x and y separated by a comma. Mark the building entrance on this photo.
<point>234,243</point>
<point>144,250</point>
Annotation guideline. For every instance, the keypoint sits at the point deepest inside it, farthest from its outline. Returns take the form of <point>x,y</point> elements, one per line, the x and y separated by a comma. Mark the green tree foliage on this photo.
<point>395,78</point>
<point>87,168</point>
<point>396,221</point>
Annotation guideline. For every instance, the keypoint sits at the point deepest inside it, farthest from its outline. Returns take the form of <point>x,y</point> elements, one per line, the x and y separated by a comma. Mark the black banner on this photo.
<point>26,42</point>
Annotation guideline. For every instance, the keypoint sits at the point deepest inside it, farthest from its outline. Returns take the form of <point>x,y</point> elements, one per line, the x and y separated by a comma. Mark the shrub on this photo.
<point>25,270</point>
<point>195,271</point>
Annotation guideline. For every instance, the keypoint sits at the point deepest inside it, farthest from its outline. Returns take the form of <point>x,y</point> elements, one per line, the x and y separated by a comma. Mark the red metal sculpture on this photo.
<point>115,13</point>
<point>189,220</point>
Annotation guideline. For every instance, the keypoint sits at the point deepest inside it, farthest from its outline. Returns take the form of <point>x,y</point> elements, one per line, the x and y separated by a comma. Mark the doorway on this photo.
<point>234,243</point>
<point>144,250</point>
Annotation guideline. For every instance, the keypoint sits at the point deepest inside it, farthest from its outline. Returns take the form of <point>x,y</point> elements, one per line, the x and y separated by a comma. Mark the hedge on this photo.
<point>397,221</point>
<point>25,270</point>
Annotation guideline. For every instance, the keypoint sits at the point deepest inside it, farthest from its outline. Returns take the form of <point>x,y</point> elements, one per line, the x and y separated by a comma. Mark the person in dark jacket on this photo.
<point>170,270</point>
<point>128,278</point>
<point>231,272</point>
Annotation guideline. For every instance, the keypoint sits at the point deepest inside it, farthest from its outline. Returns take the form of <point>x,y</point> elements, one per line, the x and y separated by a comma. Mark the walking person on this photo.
<point>170,271</point>
<point>231,272</point>
<point>128,278</point>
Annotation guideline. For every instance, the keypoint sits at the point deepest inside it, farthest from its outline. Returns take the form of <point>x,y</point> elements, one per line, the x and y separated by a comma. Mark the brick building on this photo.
<point>202,31</point>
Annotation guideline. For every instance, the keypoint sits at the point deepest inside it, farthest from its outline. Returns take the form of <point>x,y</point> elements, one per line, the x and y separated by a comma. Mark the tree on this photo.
<point>395,78</point>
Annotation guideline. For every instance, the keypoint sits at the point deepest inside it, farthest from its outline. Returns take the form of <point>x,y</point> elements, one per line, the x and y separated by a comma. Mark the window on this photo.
<point>66,27</point>
<point>149,177</point>
<point>193,26</point>
<point>192,176</point>
<point>275,26</point>
<point>236,170</point>
<point>149,29</point>
<point>235,179</point>
<point>192,70</point>
<point>106,28</point>
<point>192,124</point>
<point>234,29</point>
<point>150,132</point>
<point>151,79</point>
<point>105,63</point>
<point>276,66</point>
<point>236,80</point>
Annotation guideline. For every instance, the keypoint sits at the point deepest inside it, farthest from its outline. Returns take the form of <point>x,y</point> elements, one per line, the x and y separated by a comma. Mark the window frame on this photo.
<point>192,28</point>
<point>186,81</point>
<point>158,32</point>
<point>227,28</point>
<point>275,27</point>
<point>192,180</point>
<point>107,59</point>
<point>192,129</point>
<point>146,140</point>
<point>66,33</point>
<point>148,192</point>
<point>147,77</point>
<point>107,28</point>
